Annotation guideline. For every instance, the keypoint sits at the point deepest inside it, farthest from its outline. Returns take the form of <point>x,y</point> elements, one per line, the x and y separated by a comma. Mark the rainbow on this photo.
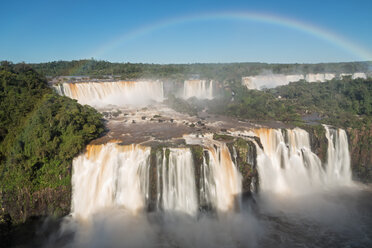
<point>315,31</point>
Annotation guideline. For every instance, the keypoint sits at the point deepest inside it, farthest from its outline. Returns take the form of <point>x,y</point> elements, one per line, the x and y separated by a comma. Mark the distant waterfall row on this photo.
<point>168,179</point>
<point>273,80</point>
<point>121,93</point>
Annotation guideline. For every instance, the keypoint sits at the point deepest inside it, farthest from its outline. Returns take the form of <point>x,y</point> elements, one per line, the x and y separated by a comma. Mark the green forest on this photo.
<point>40,133</point>
<point>217,71</point>
<point>343,103</point>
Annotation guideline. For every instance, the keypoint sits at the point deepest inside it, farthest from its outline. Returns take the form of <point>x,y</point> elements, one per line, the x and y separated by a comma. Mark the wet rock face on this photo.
<point>22,214</point>
<point>244,153</point>
<point>22,205</point>
<point>318,141</point>
<point>360,146</point>
<point>155,159</point>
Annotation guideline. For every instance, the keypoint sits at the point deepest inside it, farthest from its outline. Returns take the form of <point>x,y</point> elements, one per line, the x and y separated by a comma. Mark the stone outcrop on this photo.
<point>360,145</point>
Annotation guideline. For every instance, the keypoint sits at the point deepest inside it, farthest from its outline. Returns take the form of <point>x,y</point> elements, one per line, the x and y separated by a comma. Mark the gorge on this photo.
<point>179,164</point>
<point>193,185</point>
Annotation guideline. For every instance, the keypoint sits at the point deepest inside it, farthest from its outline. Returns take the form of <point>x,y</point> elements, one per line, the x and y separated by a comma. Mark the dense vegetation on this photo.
<point>40,133</point>
<point>346,102</point>
<point>341,102</point>
<point>222,71</point>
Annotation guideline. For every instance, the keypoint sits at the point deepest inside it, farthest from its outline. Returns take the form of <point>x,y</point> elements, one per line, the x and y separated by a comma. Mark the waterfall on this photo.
<point>116,176</point>
<point>118,93</point>
<point>287,167</point>
<point>258,82</point>
<point>269,81</point>
<point>178,180</point>
<point>198,88</point>
<point>319,77</point>
<point>221,182</point>
<point>338,158</point>
<point>287,164</point>
<point>112,175</point>
<point>109,176</point>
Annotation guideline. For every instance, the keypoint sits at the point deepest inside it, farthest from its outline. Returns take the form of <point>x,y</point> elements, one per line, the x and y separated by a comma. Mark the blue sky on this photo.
<point>174,32</point>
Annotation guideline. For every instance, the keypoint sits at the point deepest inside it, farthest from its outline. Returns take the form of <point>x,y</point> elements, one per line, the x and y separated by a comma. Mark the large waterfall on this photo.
<point>112,175</point>
<point>194,192</point>
<point>338,158</point>
<point>221,182</point>
<point>178,179</point>
<point>198,88</point>
<point>287,164</point>
<point>117,93</point>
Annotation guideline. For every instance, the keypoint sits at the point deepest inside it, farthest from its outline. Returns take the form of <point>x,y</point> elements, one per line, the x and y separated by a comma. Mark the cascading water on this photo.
<point>178,179</point>
<point>117,93</point>
<point>113,184</point>
<point>221,182</point>
<point>198,88</point>
<point>338,158</point>
<point>273,80</point>
<point>269,81</point>
<point>319,77</point>
<point>289,166</point>
<point>286,164</point>
<point>110,176</point>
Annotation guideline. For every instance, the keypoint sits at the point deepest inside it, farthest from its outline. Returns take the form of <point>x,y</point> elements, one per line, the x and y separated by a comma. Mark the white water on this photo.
<point>110,176</point>
<point>338,158</point>
<point>115,176</point>
<point>178,180</point>
<point>111,189</point>
<point>269,81</point>
<point>319,77</point>
<point>221,182</point>
<point>355,75</point>
<point>292,168</point>
<point>198,88</point>
<point>118,93</point>
<point>273,80</point>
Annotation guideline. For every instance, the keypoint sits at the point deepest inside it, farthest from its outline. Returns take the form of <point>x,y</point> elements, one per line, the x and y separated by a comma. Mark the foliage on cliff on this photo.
<point>40,132</point>
<point>341,102</point>
<point>346,102</point>
<point>256,105</point>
